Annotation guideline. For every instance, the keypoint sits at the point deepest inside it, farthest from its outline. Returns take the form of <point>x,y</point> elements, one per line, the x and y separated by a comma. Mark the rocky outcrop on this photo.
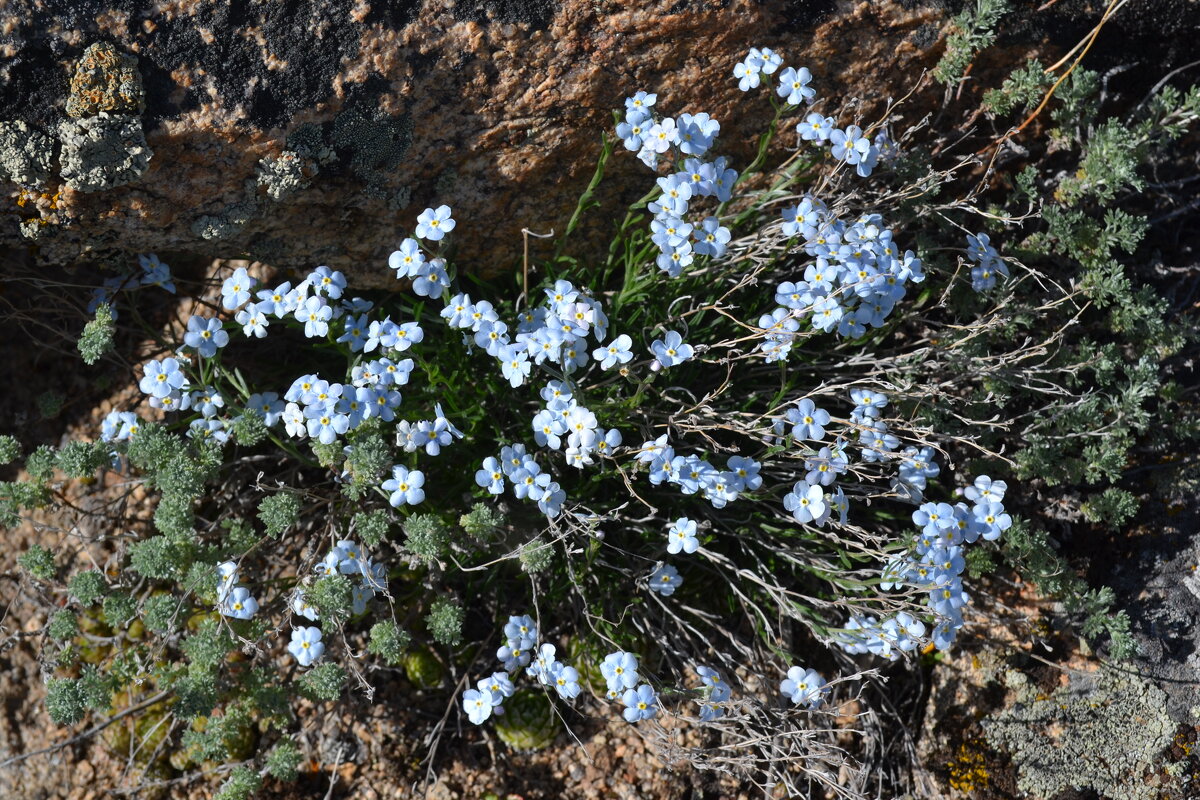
<point>315,131</point>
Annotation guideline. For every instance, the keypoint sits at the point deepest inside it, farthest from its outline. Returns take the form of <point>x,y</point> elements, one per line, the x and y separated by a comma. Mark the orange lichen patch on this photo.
<point>105,80</point>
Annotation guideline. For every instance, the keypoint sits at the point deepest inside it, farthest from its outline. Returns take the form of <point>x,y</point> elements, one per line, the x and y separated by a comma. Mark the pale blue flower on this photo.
<point>239,604</point>
<point>793,86</point>
<point>405,486</point>
<point>407,260</point>
<point>160,378</point>
<point>324,424</point>
<point>478,704</point>
<point>327,282</point>
<point>431,278</point>
<point>254,320</point>
<point>807,503</point>
<point>433,224</point>
<point>671,349</point>
<point>565,681</point>
<point>665,580</point>
<point>156,273</point>
<point>280,301</point>
<point>315,313</point>
<point>681,535</point>
<point>640,703</point>
<point>306,645</point>
<point>711,238</point>
<point>514,365</point>
<point>815,128</point>
<point>803,687</point>
<point>491,476</point>
<point>205,335</point>
<point>620,670</point>
<point>808,421</point>
<point>236,289</point>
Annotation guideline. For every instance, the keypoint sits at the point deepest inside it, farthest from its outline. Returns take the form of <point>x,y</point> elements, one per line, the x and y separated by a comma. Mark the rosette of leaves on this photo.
<point>585,658</point>
<point>138,737</point>
<point>423,668</point>
<point>528,721</point>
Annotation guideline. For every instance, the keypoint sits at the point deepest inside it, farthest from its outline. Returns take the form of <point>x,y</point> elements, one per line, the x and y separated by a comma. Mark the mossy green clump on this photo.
<point>389,641</point>
<point>426,537</point>
<point>88,587</point>
<point>1101,732</point>
<point>97,337</point>
<point>38,562</point>
<point>445,621</point>
<point>323,682</point>
<point>278,512</point>
<point>283,762</point>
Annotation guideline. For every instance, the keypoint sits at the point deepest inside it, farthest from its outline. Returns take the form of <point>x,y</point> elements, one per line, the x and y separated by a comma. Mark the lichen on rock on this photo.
<point>284,174</point>
<point>1101,731</point>
<point>231,219</point>
<point>103,151</point>
<point>106,80</point>
<point>26,154</point>
<point>376,143</point>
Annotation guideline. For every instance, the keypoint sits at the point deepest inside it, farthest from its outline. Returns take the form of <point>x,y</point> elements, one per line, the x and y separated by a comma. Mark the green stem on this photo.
<point>585,199</point>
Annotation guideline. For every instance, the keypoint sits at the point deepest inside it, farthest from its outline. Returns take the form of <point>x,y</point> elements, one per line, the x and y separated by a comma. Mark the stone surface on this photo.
<point>314,131</point>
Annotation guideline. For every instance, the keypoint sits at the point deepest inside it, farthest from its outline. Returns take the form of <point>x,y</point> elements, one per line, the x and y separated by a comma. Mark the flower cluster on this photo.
<point>528,480</point>
<point>553,333</point>
<point>933,565</point>
<point>154,273</point>
<point>853,284</point>
<point>685,142</point>
<point>346,558</point>
<point>713,692</point>
<point>520,649</point>
<point>987,262</point>
<point>693,474</point>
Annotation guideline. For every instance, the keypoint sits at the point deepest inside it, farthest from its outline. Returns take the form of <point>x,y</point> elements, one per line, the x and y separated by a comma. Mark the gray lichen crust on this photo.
<point>103,151</point>
<point>230,220</point>
<point>1102,731</point>
<point>26,154</point>
<point>283,174</point>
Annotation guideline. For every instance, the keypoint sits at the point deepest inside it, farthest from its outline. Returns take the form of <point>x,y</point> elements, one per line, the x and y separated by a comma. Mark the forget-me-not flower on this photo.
<point>433,224</point>
<point>408,259</point>
<point>793,85</point>
<point>671,349</point>
<point>405,486</point>
<point>205,335</point>
<point>682,536</point>
<point>160,378</point>
<point>306,645</point>
<point>239,604</point>
<point>803,687</point>
<point>665,580</point>
<point>640,703</point>
<point>236,289</point>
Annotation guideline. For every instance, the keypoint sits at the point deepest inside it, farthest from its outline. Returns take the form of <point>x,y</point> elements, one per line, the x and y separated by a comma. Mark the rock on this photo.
<point>315,131</point>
